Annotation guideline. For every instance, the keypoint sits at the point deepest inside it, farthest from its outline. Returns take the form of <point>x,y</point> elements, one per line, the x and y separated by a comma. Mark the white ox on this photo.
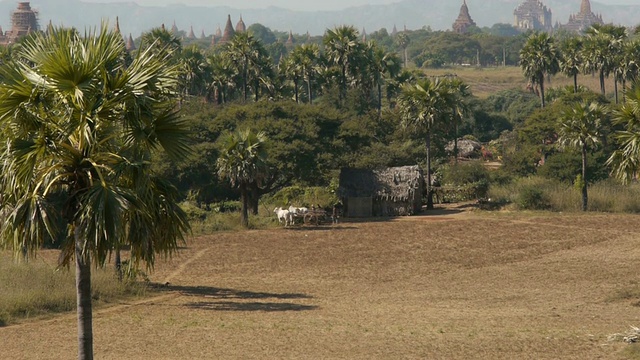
<point>298,210</point>
<point>284,215</point>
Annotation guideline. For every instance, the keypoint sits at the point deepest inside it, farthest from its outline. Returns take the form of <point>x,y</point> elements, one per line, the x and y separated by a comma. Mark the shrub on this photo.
<point>532,198</point>
<point>465,181</point>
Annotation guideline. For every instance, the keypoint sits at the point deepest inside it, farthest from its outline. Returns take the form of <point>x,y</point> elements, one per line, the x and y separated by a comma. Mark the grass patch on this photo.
<point>536,193</point>
<point>36,288</point>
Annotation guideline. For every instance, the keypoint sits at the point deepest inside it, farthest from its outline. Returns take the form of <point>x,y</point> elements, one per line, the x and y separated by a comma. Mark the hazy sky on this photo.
<point>298,4</point>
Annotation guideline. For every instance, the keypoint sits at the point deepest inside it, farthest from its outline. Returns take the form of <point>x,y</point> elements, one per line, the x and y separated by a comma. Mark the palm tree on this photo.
<point>625,162</point>
<point>571,62</point>
<point>243,160</point>
<point>539,57</point>
<point>458,93</point>
<point>602,47</point>
<point>194,71</point>
<point>79,124</point>
<point>403,41</point>
<point>221,78</point>
<point>629,67</point>
<point>342,47</point>
<point>422,107</point>
<point>381,65</point>
<point>242,51</point>
<point>580,128</point>
<point>308,59</point>
<point>161,41</point>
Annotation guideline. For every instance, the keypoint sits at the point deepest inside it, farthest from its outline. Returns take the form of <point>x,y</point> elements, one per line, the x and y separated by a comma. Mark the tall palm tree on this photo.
<point>194,71</point>
<point>629,67</point>
<point>571,62</point>
<point>539,57</point>
<point>580,127</point>
<point>403,41</point>
<point>242,50</point>
<point>457,101</point>
<point>625,162</point>
<point>79,123</point>
<point>221,78</point>
<point>601,51</point>
<point>341,48</point>
<point>161,41</point>
<point>243,160</point>
<point>382,65</point>
<point>422,107</point>
<point>291,69</point>
<point>308,59</point>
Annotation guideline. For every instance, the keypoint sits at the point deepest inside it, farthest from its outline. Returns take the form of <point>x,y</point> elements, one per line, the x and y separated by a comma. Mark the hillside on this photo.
<point>414,14</point>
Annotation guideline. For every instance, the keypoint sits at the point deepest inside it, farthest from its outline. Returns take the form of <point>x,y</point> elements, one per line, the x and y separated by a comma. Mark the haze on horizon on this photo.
<point>297,4</point>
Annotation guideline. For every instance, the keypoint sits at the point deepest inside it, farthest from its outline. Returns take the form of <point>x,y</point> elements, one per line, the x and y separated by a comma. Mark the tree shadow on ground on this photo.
<point>220,299</point>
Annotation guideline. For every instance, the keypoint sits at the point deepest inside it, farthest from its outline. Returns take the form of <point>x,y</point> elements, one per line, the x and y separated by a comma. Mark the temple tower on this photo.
<point>464,20</point>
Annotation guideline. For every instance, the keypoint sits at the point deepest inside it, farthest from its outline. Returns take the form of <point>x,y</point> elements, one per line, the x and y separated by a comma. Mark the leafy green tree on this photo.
<point>243,161</point>
<point>309,60</point>
<point>539,57</point>
<point>580,127</point>
<point>194,71</point>
<point>79,124</point>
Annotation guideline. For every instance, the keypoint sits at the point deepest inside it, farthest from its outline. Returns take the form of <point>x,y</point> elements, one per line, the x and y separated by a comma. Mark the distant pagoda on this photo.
<point>240,26</point>
<point>24,20</point>
<point>464,20</point>
<point>228,33</point>
<point>532,15</point>
<point>584,19</point>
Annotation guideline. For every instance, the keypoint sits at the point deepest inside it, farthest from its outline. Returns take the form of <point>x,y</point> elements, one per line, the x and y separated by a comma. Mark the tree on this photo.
<point>625,162</point>
<point>539,57</point>
<point>243,161</point>
<point>79,124</point>
<point>342,48</point>
<point>458,94</point>
<point>422,107</point>
<point>381,65</point>
<point>403,41</point>
<point>308,59</point>
<point>602,47</point>
<point>248,55</point>
<point>571,62</point>
<point>580,127</point>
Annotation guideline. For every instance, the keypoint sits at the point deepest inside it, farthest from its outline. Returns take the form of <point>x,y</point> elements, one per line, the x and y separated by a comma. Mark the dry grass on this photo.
<point>449,286</point>
<point>488,81</point>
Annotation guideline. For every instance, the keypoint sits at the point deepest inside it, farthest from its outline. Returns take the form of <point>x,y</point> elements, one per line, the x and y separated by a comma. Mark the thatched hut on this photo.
<point>385,192</point>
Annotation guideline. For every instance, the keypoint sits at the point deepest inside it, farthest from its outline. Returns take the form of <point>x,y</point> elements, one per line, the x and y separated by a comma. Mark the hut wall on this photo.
<point>359,207</point>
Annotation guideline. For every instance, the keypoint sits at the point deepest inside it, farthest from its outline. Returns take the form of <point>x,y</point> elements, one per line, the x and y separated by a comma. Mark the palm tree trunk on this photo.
<point>257,87</point>
<point>405,58</point>
<point>244,213</point>
<point>455,143</point>
<point>585,198</point>
<point>309,91</point>
<point>542,90</point>
<point>254,198</point>
<point>575,83</point>
<point>615,88</point>
<point>83,297</point>
<point>244,80</point>
<point>379,98</point>
<point>118,264</point>
<point>624,91</point>
<point>602,89</point>
<point>295,85</point>
<point>429,189</point>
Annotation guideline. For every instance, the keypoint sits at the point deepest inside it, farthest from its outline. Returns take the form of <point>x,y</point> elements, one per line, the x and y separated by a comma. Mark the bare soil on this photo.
<point>451,284</point>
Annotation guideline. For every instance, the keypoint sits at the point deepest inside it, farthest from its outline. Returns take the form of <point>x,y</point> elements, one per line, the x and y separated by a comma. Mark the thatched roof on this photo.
<point>395,184</point>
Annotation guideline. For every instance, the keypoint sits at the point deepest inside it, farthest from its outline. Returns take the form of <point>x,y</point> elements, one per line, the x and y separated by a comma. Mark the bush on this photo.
<point>532,198</point>
<point>465,181</point>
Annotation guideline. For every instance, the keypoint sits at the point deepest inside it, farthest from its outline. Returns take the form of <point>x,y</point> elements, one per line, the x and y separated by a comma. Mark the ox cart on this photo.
<point>315,217</point>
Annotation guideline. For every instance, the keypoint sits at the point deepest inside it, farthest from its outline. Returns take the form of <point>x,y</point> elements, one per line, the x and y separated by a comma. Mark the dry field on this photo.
<point>487,81</point>
<point>450,285</point>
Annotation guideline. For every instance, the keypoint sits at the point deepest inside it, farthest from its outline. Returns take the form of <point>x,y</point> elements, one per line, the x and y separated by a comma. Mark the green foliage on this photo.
<point>304,196</point>
<point>465,181</point>
<point>564,166</point>
<point>532,197</point>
